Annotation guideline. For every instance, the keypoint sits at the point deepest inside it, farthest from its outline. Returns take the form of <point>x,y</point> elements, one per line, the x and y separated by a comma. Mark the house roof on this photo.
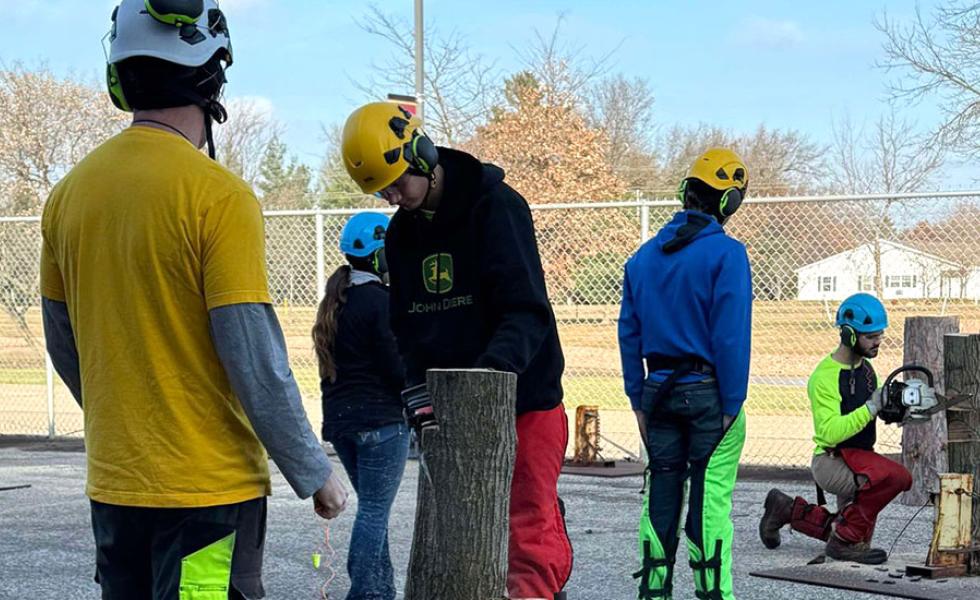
<point>957,251</point>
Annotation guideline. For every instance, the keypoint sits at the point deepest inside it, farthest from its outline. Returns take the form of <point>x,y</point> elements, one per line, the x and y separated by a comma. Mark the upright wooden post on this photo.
<point>924,445</point>
<point>952,530</point>
<point>586,435</point>
<point>459,550</point>
<point>962,366</point>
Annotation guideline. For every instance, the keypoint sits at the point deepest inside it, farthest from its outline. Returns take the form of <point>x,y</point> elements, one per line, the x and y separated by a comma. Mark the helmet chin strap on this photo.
<point>214,111</point>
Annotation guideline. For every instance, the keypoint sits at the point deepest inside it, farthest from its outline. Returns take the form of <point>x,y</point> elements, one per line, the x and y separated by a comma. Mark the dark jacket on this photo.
<point>856,388</point>
<point>370,376</point>
<point>467,287</point>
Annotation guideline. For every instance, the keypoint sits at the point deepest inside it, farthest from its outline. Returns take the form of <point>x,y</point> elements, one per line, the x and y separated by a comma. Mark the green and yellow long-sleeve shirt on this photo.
<point>838,395</point>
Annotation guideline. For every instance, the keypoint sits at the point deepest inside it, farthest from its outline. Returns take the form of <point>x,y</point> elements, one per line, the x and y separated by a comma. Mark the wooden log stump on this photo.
<point>962,370</point>
<point>459,550</point>
<point>924,445</point>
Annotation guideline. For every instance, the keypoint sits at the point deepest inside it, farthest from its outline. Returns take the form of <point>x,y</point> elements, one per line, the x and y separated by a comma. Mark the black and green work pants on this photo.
<point>209,553</point>
<point>693,455</point>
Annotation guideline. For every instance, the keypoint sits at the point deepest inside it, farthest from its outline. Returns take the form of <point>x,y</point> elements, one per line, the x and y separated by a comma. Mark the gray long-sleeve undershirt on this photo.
<point>60,341</point>
<point>252,350</point>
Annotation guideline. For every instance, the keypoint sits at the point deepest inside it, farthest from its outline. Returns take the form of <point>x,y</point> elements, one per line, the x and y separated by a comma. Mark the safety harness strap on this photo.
<point>701,567</point>
<point>644,575</point>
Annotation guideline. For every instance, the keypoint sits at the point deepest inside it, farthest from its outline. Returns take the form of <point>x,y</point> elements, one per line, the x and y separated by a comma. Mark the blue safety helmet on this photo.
<point>364,234</point>
<point>862,312</point>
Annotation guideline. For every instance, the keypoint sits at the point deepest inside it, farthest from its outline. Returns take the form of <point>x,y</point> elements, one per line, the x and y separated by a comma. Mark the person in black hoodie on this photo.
<point>361,377</point>
<point>468,291</point>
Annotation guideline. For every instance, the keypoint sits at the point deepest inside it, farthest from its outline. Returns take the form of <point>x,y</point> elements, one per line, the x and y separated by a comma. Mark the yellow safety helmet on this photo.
<point>723,170</point>
<point>381,141</point>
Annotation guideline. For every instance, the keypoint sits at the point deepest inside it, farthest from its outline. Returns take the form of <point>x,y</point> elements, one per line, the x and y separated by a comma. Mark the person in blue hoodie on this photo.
<point>684,338</point>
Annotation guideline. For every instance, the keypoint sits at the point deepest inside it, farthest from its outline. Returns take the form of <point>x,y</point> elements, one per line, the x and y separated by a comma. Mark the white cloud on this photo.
<point>761,32</point>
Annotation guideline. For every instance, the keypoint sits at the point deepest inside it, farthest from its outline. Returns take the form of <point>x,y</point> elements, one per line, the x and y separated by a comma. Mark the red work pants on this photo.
<point>540,552</point>
<point>885,480</point>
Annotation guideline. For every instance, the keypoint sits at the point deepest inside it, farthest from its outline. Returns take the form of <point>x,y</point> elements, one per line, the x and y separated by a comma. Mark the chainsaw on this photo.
<point>914,401</point>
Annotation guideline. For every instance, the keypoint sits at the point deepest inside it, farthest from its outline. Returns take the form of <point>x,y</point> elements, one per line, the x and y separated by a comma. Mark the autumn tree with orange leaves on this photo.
<point>551,155</point>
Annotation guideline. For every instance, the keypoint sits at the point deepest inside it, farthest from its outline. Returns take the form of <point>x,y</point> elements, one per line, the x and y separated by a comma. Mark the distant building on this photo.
<point>906,272</point>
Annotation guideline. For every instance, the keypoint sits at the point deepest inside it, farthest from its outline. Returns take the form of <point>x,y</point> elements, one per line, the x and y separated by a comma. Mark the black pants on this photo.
<point>141,552</point>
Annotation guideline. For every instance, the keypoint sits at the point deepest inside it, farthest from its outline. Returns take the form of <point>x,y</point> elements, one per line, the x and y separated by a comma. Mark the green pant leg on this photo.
<point>656,558</point>
<point>711,556</point>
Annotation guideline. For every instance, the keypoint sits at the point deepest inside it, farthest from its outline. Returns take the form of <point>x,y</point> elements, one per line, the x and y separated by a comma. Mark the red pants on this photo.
<point>885,480</point>
<point>540,552</point>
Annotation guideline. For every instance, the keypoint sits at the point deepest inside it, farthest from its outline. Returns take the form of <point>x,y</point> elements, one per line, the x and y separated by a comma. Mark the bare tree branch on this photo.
<point>893,157</point>
<point>48,124</point>
<point>242,141</point>
<point>460,85</point>
<point>938,58</point>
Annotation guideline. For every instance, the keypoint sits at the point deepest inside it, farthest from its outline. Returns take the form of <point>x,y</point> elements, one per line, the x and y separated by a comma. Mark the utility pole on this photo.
<point>419,61</point>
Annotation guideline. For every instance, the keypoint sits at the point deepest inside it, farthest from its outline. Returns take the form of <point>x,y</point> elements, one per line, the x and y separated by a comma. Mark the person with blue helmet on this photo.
<point>361,378</point>
<point>845,400</point>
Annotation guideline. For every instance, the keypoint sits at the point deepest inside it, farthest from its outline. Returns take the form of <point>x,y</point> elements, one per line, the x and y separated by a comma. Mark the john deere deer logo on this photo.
<point>437,273</point>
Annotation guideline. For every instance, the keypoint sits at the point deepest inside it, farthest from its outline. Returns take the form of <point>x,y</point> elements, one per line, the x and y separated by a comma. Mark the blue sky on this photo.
<point>734,64</point>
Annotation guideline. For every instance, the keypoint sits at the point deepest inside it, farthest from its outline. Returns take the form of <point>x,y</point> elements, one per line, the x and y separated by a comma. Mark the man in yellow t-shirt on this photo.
<point>157,316</point>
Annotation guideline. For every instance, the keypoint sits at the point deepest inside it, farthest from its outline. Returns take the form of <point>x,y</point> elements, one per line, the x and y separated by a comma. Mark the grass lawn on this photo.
<point>22,377</point>
<point>605,392</point>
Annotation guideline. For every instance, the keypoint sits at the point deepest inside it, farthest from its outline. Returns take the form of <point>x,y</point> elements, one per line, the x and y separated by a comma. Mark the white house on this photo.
<point>906,272</point>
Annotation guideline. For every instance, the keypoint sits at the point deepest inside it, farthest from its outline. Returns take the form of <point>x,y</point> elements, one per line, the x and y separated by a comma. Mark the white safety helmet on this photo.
<point>186,33</point>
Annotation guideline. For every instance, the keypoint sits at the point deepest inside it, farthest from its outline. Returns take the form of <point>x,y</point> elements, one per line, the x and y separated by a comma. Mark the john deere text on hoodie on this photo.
<point>467,287</point>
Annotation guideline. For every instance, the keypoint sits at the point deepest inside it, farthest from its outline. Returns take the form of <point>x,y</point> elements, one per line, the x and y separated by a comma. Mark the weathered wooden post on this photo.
<point>586,435</point>
<point>962,370</point>
<point>924,445</point>
<point>459,550</point>
<point>953,525</point>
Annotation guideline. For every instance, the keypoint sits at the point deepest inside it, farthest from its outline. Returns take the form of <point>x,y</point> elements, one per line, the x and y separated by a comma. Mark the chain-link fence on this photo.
<point>920,252</point>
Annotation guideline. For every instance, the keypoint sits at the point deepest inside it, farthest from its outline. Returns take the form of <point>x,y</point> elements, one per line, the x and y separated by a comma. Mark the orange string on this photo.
<point>327,559</point>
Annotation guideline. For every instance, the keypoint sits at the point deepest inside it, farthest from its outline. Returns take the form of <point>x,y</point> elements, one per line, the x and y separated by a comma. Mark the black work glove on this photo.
<point>418,409</point>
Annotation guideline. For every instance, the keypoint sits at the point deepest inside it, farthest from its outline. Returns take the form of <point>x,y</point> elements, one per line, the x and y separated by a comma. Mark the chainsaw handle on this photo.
<point>909,368</point>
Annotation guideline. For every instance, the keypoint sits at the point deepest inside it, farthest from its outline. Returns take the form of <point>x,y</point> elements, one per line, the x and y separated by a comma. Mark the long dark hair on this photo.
<point>325,329</point>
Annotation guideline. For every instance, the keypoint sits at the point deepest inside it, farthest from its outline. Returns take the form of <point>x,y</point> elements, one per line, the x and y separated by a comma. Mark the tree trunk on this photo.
<point>924,445</point>
<point>462,521</point>
<point>962,360</point>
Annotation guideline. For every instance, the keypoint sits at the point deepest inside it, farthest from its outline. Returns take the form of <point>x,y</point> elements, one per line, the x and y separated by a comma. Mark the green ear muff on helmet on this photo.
<point>175,12</point>
<point>682,191</point>
<point>421,154</point>
<point>730,200</point>
<point>848,336</point>
<point>116,89</point>
<point>379,261</point>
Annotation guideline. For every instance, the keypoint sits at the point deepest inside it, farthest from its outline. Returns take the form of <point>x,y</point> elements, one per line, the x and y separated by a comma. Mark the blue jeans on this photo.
<point>375,461</point>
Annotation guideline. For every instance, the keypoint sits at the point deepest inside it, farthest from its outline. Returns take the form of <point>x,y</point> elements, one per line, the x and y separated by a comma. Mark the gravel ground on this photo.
<point>46,546</point>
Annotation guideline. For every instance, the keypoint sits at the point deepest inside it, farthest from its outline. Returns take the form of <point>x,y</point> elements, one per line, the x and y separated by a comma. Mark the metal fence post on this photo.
<point>320,258</point>
<point>49,383</point>
<point>644,221</point>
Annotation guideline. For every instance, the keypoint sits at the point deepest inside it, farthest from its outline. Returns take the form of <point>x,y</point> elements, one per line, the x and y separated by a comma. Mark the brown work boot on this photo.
<point>779,512</point>
<point>859,552</point>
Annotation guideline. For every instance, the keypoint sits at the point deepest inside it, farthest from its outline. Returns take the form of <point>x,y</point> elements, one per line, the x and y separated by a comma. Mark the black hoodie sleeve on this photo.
<point>513,278</point>
<point>386,352</point>
<point>396,320</point>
